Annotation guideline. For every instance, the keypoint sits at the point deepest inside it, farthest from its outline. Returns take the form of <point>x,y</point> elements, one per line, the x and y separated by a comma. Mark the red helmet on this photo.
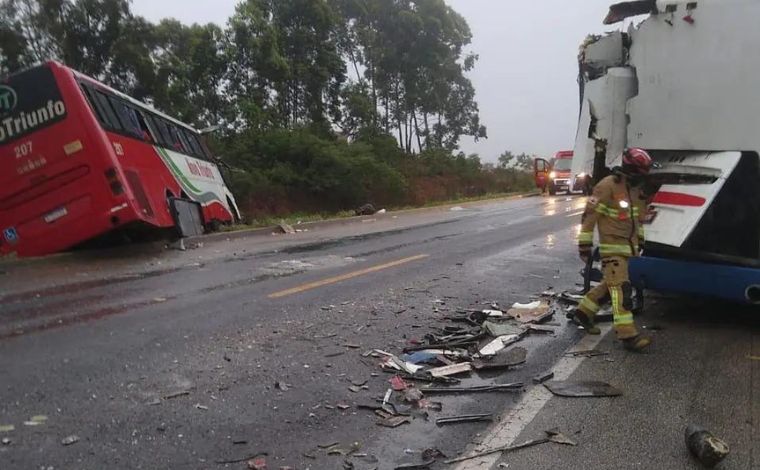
<point>637,161</point>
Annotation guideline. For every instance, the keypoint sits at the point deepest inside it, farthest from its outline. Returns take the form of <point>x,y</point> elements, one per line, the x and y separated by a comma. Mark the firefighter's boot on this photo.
<point>586,322</point>
<point>637,343</point>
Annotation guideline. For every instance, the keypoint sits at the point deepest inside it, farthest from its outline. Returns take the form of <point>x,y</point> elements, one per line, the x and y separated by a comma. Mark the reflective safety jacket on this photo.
<point>617,210</point>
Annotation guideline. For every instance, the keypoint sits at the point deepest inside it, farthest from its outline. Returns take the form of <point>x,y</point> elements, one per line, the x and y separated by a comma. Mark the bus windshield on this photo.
<point>29,101</point>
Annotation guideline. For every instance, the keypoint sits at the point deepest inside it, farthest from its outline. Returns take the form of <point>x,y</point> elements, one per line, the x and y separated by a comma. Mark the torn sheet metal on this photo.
<point>513,387</point>
<point>608,51</point>
<point>464,419</point>
<point>583,389</point>
<point>503,329</point>
<point>498,344</point>
<point>532,315</point>
<point>454,369</point>
<point>620,11</point>
<point>511,358</point>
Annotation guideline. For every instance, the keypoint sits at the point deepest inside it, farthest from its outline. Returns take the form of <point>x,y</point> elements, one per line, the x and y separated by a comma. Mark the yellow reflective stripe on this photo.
<point>611,250</point>
<point>623,319</point>
<point>586,237</point>
<point>609,211</point>
<point>589,306</point>
<point>616,302</point>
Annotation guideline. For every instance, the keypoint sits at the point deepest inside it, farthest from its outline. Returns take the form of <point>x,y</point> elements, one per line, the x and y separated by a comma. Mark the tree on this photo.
<point>505,159</point>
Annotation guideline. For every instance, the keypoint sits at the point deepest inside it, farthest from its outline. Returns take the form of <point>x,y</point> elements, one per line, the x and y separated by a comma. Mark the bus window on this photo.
<point>164,139</point>
<point>192,139</point>
<point>105,115</point>
<point>110,115</point>
<point>127,118</point>
<point>178,142</point>
<point>147,132</point>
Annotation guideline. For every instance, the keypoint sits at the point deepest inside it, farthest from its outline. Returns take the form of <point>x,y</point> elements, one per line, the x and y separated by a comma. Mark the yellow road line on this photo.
<point>344,277</point>
<point>753,358</point>
<point>575,214</point>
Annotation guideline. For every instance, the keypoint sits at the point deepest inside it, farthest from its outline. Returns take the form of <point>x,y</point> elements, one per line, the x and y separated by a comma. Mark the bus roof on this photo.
<point>121,95</point>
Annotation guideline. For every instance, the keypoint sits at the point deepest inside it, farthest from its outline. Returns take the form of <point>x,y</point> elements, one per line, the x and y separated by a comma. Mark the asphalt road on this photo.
<point>99,343</point>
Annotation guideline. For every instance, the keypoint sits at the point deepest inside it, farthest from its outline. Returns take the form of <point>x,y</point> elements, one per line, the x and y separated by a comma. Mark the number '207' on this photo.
<point>24,150</point>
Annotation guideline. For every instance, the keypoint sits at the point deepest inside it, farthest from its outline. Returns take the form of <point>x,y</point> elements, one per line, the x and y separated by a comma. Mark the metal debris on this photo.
<point>511,358</point>
<point>408,466</point>
<point>445,371</point>
<point>556,436</point>
<point>241,459</point>
<point>69,440</point>
<point>464,419</point>
<point>541,378</point>
<point>498,344</point>
<point>703,445</point>
<point>513,387</point>
<point>508,448</point>
<point>176,394</point>
<point>586,353</point>
<point>6,441</point>
<point>503,329</point>
<point>582,389</point>
<point>394,421</point>
<point>258,463</point>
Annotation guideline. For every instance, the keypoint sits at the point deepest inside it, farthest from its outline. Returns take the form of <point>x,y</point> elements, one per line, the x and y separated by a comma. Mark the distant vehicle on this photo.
<point>79,159</point>
<point>556,175</point>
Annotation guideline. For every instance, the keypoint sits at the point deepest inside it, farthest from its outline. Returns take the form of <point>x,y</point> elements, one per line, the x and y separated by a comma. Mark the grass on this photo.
<point>301,218</point>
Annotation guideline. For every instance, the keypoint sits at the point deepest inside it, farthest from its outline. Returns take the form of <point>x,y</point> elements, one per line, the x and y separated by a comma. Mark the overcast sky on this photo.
<point>525,78</point>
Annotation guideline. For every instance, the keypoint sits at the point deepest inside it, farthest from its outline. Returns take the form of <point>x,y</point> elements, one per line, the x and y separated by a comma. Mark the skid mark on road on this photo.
<point>344,277</point>
<point>514,421</point>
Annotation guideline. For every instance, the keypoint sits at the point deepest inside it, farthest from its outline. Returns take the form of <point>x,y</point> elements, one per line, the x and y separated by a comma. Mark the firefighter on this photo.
<point>616,209</point>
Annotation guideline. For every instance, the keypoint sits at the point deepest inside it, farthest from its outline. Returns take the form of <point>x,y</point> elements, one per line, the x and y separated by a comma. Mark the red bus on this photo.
<point>79,159</point>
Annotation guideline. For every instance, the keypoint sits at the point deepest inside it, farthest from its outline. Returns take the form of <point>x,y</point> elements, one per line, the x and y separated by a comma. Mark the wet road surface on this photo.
<point>98,350</point>
<point>169,359</point>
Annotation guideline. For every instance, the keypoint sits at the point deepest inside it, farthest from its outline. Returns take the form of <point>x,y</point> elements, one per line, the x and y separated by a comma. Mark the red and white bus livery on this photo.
<point>79,159</point>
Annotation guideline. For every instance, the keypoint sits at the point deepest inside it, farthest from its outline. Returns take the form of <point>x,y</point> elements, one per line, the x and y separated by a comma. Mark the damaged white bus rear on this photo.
<point>682,84</point>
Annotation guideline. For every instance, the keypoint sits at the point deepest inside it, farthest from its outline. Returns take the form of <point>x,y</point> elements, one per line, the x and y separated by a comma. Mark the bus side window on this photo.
<point>127,117</point>
<point>192,139</point>
<point>164,139</point>
<point>147,132</point>
<point>110,119</point>
<point>178,142</point>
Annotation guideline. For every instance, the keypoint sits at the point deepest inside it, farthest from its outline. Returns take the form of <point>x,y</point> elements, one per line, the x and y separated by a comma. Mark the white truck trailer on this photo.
<point>683,84</point>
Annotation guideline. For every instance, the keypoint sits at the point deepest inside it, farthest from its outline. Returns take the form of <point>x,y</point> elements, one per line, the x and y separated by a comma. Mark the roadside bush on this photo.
<point>279,172</point>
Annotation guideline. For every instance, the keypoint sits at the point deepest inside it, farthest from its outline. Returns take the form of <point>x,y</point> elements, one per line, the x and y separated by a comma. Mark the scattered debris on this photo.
<point>182,393</point>
<point>583,389</point>
<point>454,369</point>
<point>366,209</point>
<point>285,228</point>
<point>432,454</point>
<point>282,386</point>
<point>258,463</point>
<point>69,440</point>
<point>398,384</point>
<point>510,358</point>
<point>514,387</point>
<point>6,441</point>
<point>36,420</point>
<point>586,353</point>
<point>394,421</point>
<point>250,457</point>
<point>503,329</point>
<point>556,436</point>
<point>457,209</point>
<point>464,419</point>
<point>408,466</point>
<point>498,344</point>
<point>703,445</point>
<point>531,313</point>
<point>541,378</point>
<point>508,448</point>
<point>201,407</point>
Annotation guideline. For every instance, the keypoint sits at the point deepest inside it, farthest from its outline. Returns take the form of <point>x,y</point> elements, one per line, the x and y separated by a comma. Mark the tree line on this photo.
<point>320,104</point>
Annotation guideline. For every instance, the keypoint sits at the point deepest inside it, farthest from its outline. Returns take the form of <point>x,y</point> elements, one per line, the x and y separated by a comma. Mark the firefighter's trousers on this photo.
<point>615,287</point>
